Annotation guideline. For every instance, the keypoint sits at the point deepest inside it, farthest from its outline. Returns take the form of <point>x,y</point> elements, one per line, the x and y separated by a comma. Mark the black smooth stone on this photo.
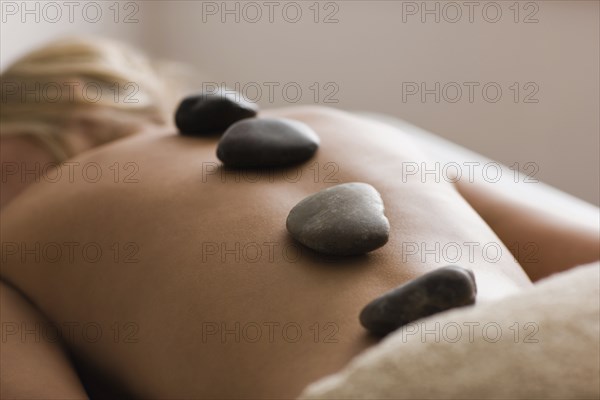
<point>212,113</point>
<point>437,291</point>
<point>342,220</point>
<point>267,142</point>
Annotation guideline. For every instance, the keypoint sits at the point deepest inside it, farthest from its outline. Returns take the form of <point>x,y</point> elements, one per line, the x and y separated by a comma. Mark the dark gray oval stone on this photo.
<point>267,142</point>
<point>342,220</point>
<point>437,291</point>
<point>211,113</point>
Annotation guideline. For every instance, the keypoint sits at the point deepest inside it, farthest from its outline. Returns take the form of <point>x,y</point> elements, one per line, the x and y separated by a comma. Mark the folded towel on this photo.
<point>540,343</point>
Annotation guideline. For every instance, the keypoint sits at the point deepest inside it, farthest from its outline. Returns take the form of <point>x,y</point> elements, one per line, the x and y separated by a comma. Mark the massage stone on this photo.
<point>267,142</point>
<point>437,291</point>
<point>212,113</point>
<point>342,220</point>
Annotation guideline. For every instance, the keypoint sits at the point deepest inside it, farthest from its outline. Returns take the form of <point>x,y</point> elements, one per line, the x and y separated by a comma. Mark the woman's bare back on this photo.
<point>177,278</point>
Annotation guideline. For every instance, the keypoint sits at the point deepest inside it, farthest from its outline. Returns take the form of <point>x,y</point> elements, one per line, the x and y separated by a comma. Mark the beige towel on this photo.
<point>540,343</point>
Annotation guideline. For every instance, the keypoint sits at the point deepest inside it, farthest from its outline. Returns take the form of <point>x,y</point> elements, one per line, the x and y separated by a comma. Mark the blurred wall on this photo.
<point>28,24</point>
<point>516,81</point>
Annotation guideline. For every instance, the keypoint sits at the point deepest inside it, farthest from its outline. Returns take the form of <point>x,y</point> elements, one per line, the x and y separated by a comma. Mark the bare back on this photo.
<point>198,290</point>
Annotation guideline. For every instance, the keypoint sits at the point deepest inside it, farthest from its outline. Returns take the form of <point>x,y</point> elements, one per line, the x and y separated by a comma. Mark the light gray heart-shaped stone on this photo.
<point>267,142</point>
<point>344,220</point>
<point>439,290</point>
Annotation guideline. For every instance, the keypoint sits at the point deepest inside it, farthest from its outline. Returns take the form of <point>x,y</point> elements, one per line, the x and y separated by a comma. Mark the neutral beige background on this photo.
<point>375,47</point>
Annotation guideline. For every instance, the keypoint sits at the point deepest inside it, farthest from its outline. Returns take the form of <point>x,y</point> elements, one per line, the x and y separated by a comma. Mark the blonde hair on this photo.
<point>107,86</point>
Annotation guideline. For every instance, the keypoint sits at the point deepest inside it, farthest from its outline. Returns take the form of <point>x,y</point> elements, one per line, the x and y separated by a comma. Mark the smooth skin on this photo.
<point>169,297</point>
